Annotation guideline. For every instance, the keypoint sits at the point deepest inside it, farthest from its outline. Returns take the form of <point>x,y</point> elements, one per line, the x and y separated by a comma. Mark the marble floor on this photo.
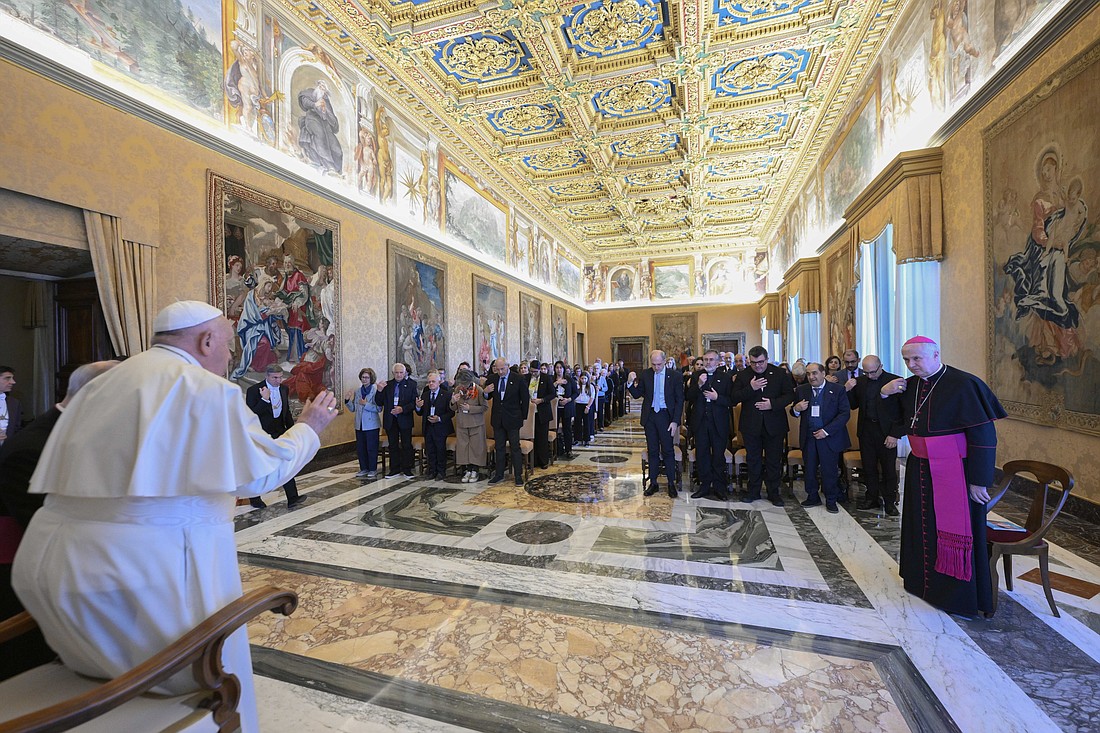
<point>577,604</point>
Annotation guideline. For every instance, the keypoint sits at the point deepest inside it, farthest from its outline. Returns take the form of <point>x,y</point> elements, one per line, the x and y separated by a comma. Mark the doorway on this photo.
<point>633,351</point>
<point>733,342</point>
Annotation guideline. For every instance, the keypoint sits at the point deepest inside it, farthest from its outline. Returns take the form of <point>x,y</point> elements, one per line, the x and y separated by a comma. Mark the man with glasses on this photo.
<point>764,391</point>
<point>851,367</point>
<point>879,426</point>
<point>709,392</point>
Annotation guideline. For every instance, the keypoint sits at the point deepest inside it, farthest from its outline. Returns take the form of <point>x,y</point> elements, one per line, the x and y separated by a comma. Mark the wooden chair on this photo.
<point>53,698</point>
<point>527,441</point>
<point>490,440</point>
<point>1006,543</point>
<point>418,444</point>
<point>852,458</point>
<point>796,462</point>
<point>552,436</point>
<point>740,453</point>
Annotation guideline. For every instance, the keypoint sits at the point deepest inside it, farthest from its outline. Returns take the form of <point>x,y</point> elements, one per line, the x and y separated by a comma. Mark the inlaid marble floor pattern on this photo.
<point>577,604</point>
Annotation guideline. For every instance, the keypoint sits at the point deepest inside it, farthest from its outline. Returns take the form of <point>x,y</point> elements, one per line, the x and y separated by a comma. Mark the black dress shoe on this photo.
<point>673,492</point>
<point>391,474</point>
<point>700,494</point>
<point>843,498</point>
<point>651,490</point>
<point>776,501</point>
<point>519,482</point>
<point>257,503</point>
<point>750,498</point>
<point>496,479</point>
<point>891,509</point>
<point>296,503</point>
<point>811,502</point>
<point>865,504</point>
<point>832,508</point>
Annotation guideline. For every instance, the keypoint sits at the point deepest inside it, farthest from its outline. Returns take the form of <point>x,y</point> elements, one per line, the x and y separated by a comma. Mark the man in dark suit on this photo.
<point>764,391</point>
<point>879,427</point>
<point>823,433</point>
<point>398,400</point>
<point>510,400</point>
<point>18,459</point>
<point>709,393</point>
<point>851,365</point>
<point>434,405</point>
<point>662,393</point>
<point>11,412</point>
<point>270,400</point>
<point>565,387</point>
<point>540,388</point>
<point>620,390</point>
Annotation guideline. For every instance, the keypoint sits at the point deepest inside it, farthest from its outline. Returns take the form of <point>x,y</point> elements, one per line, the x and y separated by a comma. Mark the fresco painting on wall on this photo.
<point>674,334</point>
<point>175,48</point>
<point>672,281</point>
<point>1042,189</point>
<point>473,218</point>
<point>622,285</point>
<point>842,302</point>
<point>569,276</point>
<point>559,333</point>
<point>490,320</point>
<point>417,310</point>
<point>851,166</point>
<point>530,327</point>
<point>274,271</point>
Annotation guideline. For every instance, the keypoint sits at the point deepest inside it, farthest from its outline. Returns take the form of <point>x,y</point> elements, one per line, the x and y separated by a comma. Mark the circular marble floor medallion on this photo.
<point>581,487</point>
<point>539,532</point>
<point>609,458</point>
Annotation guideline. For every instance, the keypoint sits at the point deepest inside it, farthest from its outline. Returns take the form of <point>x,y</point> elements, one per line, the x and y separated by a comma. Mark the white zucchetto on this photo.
<point>184,314</point>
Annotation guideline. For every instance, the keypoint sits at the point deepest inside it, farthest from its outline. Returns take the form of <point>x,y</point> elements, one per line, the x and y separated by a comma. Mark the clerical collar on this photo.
<point>936,375</point>
<point>178,352</point>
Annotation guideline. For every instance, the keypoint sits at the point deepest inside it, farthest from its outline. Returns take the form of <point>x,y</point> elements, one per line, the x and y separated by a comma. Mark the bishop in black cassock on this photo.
<point>949,418</point>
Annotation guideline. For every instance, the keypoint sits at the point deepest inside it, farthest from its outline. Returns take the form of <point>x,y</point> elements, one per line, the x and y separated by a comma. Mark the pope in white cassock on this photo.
<point>134,545</point>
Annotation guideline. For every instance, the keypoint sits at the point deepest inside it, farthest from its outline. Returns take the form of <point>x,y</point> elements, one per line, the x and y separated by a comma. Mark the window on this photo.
<point>803,333</point>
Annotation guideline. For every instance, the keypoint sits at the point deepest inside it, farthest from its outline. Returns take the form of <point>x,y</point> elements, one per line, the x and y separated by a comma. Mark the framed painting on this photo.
<point>417,308</point>
<point>530,327</point>
<point>559,333</point>
<point>674,334</point>
<point>842,301</point>
<point>274,272</point>
<point>490,320</point>
<point>472,217</point>
<point>672,281</point>
<point>1042,168</point>
<point>851,165</point>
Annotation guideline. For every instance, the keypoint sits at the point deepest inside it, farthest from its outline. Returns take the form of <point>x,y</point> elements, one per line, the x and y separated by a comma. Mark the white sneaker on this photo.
<point>474,477</point>
<point>466,477</point>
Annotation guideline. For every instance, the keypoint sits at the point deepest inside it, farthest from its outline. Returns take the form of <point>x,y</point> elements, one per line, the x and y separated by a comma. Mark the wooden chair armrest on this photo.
<point>201,647</point>
<point>17,625</point>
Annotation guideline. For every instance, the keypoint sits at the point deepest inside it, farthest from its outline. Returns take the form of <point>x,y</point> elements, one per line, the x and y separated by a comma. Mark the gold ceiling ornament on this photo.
<point>477,58</point>
<point>762,72</point>
<point>614,25</point>
<point>640,95</point>
<point>527,117</point>
<point>556,159</point>
<point>660,205</point>
<point>523,17</point>
<point>745,128</point>
<point>650,143</point>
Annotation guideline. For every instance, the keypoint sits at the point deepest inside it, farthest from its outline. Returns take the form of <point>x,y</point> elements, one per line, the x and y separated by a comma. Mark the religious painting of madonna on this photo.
<point>273,270</point>
<point>1042,195</point>
<point>417,311</point>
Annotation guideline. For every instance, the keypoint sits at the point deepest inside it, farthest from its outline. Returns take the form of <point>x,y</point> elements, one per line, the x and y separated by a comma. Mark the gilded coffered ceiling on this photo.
<point>632,127</point>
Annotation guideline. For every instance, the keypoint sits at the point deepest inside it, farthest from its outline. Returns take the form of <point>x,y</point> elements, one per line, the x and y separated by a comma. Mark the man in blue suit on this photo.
<point>823,433</point>
<point>662,393</point>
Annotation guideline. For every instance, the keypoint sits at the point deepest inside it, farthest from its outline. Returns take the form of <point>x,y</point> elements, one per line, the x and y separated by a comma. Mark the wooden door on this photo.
<point>81,330</point>
<point>633,356</point>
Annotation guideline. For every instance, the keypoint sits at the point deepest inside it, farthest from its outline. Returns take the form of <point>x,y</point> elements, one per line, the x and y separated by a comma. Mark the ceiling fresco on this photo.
<point>633,128</point>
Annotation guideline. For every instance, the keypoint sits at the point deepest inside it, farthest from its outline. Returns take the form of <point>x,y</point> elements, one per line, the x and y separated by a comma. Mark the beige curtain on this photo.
<point>770,312</point>
<point>915,208</point>
<point>125,274</point>
<point>805,282</point>
<point>38,318</point>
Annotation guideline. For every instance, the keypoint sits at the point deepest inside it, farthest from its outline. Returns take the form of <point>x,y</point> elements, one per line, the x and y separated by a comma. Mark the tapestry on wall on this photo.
<point>674,334</point>
<point>417,311</point>
<point>559,333</point>
<point>1042,192</point>
<point>530,327</point>
<point>490,320</point>
<point>842,302</point>
<point>274,271</point>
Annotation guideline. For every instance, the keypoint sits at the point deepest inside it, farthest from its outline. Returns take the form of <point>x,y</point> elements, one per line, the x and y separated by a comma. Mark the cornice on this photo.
<point>908,164</point>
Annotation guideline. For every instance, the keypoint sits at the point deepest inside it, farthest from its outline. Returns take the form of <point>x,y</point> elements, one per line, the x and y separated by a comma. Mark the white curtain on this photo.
<point>918,301</point>
<point>125,275</point>
<point>810,333</point>
<point>794,332</point>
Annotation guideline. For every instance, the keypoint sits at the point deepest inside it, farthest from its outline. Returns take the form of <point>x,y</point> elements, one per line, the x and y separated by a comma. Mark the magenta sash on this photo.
<point>951,499</point>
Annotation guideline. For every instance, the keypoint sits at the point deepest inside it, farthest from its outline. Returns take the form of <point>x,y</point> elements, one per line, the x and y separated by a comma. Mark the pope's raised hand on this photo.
<point>319,411</point>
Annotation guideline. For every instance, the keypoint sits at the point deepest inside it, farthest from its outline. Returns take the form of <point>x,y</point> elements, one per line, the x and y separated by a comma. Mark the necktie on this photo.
<point>503,386</point>
<point>433,396</point>
<point>817,394</point>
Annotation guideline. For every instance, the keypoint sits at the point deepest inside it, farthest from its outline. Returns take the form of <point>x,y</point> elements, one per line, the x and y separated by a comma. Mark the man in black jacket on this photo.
<point>398,400</point>
<point>764,391</point>
<point>879,426</point>
<point>270,400</point>
<point>662,393</point>
<point>434,405</point>
<point>709,393</point>
<point>540,388</point>
<point>509,395</point>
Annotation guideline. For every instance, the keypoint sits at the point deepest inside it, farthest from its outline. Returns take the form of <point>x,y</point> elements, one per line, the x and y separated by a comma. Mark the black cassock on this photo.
<point>950,402</point>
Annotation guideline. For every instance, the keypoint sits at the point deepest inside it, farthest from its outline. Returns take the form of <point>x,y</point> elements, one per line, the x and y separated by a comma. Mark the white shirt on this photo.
<point>4,411</point>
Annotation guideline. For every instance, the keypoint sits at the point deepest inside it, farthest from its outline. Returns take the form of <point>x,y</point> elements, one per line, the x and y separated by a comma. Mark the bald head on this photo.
<point>500,366</point>
<point>84,374</point>
<point>657,360</point>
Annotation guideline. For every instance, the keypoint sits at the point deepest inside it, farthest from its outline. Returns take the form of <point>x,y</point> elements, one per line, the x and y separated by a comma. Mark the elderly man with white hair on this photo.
<point>134,544</point>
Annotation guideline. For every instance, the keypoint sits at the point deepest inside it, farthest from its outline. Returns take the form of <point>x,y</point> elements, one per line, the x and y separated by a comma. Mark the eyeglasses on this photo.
<point>852,363</point>
<point>758,361</point>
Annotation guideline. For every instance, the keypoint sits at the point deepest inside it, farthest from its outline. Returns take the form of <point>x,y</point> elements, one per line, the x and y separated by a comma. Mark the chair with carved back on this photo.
<point>51,697</point>
<point>1004,543</point>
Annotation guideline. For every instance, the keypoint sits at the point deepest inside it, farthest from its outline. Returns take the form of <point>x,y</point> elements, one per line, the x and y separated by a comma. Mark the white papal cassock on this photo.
<point>134,545</point>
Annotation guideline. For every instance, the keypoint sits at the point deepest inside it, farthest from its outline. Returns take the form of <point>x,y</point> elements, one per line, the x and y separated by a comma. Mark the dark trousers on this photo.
<point>583,424</point>
<point>511,436</point>
<point>818,455</point>
<point>565,430</point>
<point>366,446</point>
<point>401,448</point>
<point>435,448</point>
<point>710,455</point>
<point>542,441</point>
<point>880,464</point>
<point>620,403</point>
<point>289,488</point>
<point>764,456</point>
<point>608,409</point>
<point>658,443</point>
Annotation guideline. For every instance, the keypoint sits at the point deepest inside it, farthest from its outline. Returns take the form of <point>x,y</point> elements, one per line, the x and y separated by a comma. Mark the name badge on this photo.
<point>432,413</point>
<point>815,411</point>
